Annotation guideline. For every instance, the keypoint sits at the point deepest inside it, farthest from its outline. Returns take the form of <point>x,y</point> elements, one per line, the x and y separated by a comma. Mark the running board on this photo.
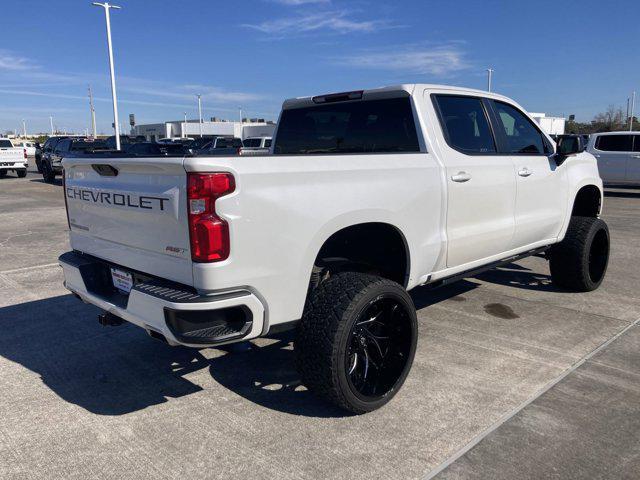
<point>490,266</point>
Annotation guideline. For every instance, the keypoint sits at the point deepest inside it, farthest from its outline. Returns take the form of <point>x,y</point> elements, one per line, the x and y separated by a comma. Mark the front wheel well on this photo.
<point>587,202</point>
<point>377,248</point>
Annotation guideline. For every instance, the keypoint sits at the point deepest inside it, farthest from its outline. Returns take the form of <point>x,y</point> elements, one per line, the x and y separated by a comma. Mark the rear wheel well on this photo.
<point>587,202</point>
<point>377,248</point>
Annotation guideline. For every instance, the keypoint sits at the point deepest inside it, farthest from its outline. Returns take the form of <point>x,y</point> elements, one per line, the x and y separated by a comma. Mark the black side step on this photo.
<point>490,266</point>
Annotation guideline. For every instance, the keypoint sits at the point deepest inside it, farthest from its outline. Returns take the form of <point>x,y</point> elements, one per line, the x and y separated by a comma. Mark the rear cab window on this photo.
<point>465,124</point>
<point>5,144</point>
<point>614,143</point>
<point>360,126</point>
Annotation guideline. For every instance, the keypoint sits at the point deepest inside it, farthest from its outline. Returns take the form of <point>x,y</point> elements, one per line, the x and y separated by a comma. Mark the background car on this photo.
<point>52,161</point>
<point>618,155</point>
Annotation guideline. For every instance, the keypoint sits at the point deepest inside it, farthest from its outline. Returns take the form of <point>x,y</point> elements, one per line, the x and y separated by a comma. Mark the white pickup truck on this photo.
<point>12,158</point>
<point>365,195</point>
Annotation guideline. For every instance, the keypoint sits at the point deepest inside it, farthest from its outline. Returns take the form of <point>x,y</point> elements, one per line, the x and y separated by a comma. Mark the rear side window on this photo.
<point>521,134</point>
<point>465,124</point>
<point>614,143</point>
<point>369,126</point>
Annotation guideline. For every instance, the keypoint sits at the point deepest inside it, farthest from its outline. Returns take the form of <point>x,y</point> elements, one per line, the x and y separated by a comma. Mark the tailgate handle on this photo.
<point>105,170</point>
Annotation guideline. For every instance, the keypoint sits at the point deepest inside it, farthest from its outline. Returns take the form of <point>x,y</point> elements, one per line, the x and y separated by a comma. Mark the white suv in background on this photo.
<point>618,155</point>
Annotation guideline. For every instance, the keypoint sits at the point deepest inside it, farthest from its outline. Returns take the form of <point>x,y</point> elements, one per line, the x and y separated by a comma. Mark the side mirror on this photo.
<point>567,146</point>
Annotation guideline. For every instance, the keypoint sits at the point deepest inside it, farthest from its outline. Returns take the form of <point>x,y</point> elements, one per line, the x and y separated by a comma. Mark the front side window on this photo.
<point>63,146</point>
<point>636,143</point>
<point>615,143</point>
<point>267,143</point>
<point>521,134</point>
<point>465,123</point>
<point>366,126</point>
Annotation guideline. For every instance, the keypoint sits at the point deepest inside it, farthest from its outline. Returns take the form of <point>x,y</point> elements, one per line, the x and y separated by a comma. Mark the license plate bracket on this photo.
<point>122,281</point>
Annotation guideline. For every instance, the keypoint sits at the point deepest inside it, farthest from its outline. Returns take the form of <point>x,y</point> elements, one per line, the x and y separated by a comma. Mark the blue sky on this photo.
<point>559,57</point>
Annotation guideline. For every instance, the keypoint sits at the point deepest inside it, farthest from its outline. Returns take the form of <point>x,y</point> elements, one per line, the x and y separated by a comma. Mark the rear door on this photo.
<point>613,153</point>
<point>633,164</point>
<point>480,181</point>
<point>132,212</point>
<point>540,184</point>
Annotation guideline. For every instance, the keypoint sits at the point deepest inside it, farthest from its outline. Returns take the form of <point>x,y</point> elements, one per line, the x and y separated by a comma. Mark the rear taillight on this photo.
<point>24,151</point>
<point>208,232</point>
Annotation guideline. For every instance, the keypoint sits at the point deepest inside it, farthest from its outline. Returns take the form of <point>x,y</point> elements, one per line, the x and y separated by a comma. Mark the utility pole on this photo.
<point>200,113</point>
<point>489,75</point>
<point>51,122</point>
<point>116,125</point>
<point>93,114</point>
<point>633,105</point>
<point>24,129</point>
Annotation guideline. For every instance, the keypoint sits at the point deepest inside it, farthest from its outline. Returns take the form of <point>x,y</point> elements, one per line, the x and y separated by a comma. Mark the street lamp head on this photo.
<point>105,5</point>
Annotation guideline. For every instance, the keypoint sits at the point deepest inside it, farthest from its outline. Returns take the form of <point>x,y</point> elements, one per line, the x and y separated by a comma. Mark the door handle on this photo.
<point>461,177</point>
<point>524,172</point>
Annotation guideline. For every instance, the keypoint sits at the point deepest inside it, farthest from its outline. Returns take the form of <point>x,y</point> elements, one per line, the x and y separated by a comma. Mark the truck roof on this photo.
<point>386,92</point>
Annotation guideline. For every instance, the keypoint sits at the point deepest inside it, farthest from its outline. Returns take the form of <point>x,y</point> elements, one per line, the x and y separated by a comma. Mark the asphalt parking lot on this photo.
<point>512,379</point>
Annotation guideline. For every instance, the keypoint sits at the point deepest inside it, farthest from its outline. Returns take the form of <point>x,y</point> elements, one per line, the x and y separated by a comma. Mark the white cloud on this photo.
<point>332,21</point>
<point>440,60</point>
<point>299,2</point>
<point>8,61</point>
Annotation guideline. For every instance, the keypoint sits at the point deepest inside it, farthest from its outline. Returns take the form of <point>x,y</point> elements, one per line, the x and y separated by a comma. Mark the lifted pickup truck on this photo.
<point>366,195</point>
<point>12,158</point>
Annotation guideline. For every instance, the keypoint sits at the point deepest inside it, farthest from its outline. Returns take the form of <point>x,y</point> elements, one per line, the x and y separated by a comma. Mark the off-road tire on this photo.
<point>48,175</point>
<point>3,173</point>
<point>21,173</point>
<point>331,312</point>
<point>579,262</point>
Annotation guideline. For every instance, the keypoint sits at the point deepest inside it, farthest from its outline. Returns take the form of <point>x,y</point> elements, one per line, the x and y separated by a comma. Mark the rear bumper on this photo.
<point>13,165</point>
<point>178,313</point>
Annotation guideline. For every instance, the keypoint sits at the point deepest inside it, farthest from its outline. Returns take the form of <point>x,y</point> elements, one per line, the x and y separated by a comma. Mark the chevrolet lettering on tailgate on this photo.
<point>117,199</point>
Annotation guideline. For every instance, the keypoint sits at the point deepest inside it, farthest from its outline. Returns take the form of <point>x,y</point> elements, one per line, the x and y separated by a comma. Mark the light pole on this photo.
<point>24,129</point>
<point>240,108</point>
<point>489,75</point>
<point>633,104</point>
<point>51,122</point>
<point>116,126</point>
<point>184,126</point>
<point>200,113</point>
<point>93,114</point>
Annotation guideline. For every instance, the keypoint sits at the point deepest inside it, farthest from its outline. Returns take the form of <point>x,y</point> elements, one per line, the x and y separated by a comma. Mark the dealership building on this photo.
<point>255,127</point>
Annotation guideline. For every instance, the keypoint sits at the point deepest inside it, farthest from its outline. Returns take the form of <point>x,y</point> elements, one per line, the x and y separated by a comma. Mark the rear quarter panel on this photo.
<point>285,207</point>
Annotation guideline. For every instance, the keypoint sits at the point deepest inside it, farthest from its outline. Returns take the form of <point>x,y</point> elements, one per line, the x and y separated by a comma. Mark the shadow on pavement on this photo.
<point>57,181</point>
<point>627,194</point>
<point>115,371</point>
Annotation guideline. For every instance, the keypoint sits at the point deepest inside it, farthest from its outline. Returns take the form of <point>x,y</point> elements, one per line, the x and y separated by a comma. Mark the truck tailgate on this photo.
<point>132,212</point>
<point>11,155</point>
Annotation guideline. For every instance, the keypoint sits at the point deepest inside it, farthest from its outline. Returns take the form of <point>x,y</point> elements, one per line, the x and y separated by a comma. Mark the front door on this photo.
<point>481,186</point>
<point>541,185</point>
